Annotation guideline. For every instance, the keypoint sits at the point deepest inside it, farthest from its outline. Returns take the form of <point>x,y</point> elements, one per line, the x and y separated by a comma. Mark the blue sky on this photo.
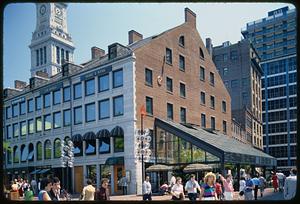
<point>101,24</point>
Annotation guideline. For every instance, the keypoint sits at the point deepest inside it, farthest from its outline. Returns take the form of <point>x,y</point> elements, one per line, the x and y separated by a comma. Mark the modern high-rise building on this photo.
<point>274,38</point>
<point>238,65</point>
<point>51,44</point>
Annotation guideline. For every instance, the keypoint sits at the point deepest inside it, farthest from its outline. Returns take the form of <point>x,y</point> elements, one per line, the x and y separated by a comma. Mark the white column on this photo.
<point>112,179</point>
<point>98,175</point>
<point>97,148</point>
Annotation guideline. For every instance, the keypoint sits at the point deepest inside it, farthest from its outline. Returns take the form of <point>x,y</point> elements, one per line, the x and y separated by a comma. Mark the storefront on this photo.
<point>178,145</point>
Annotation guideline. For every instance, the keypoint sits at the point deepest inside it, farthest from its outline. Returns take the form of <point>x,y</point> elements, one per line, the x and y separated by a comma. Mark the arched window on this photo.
<point>67,138</point>
<point>39,150</point>
<point>201,53</point>
<point>47,149</point>
<point>181,41</point>
<point>57,148</point>
<point>9,157</point>
<point>24,153</point>
<point>30,152</point>
<point>104,141</point>
<point>16,154</point>
<point>90,139</point>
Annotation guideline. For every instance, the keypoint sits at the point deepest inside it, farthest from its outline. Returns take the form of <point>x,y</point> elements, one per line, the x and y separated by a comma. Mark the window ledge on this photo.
<point>169,63</point>
<point>169,92</point>
<point>184,97</point>
<point>150,85</point>
<point>202,104</point>
<point>183,70</point>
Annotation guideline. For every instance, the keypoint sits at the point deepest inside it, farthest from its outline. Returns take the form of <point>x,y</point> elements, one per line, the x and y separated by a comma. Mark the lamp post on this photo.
<point>67,157</point>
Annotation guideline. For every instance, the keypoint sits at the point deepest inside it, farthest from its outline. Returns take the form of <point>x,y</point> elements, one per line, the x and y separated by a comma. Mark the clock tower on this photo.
<point>51,44</point>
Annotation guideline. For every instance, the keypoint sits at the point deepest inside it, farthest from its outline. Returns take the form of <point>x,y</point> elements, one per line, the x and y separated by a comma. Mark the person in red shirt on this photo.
<point>219,191</point>
<point>275,181</point>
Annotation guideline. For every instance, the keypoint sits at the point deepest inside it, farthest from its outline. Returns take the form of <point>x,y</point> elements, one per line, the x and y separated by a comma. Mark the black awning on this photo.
<point>117,132</point>
<point>89,136</point>
<point>77,138</point>
<point>102,134</point>
<point>35,171</point>
<point>114,160</point>
<point>44,171</point>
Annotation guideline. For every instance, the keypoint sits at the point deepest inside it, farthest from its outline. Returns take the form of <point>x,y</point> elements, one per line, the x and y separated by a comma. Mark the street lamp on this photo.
<point>67,157</point>
<point>142,145</point>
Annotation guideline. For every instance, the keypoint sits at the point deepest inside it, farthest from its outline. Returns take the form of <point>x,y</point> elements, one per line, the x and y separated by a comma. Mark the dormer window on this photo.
<point>201,53</point>
<point>112,52</point>
<point>181,41</point>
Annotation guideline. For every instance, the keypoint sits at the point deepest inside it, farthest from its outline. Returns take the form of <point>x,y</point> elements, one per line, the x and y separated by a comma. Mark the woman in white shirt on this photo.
<point>177,190</point>
<point>242,188</point>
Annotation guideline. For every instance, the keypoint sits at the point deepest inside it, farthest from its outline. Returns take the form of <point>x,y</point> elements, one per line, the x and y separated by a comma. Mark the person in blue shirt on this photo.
<point>256,183</point>
<point>249,188</point>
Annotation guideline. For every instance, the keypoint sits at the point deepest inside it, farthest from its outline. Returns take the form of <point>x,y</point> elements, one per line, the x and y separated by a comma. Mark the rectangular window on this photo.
<point>118,78</point>
<point>182,115</point>
<point>103,83</point>
<point>225,57</point>
<point>112,52</point>
<point>8,132</point>
<point>8,112</point>
<point>23,128</point>
<point>22,108</point>
<point>38,124</point>
<point>47,122</point>
<point>90,111</point>
<point>168,56</point>
<point>57,120</point>
<point>15,130</point>
<point>38,103</point>
<point>30,105</point>
<point>104,109</point>
<point>233,55</point>
<point>224,106</point>
<point>37,57</point>
<point>67,117</point>
<point>30,126</point>
<point>213,123</point>
<point>148,77</point>
<point>45,55</point>
<point>234,83</point>
<point>118,106</point>
<point>181,63</point>
<point>202,98</point>
<point>203,120</point>
<point>212,102</point>
<point>224,127</point>
<point>182,90</point>
<point>62,56</point>
<point>169,83</point>
<point>202,73</point>
<point>67,55</point>
<point>225,71</point>
<point>89,87</point>
<point>149,105</point>
<point>56,97</point>
<point>57,55</point>
<point>41,55</point>
<point>47,100</point>
<point>170,111</point>
<point>212,78</point>
<point>77,90</point>
<point>67,94</point>
<point>15,110</point>
<point>77,115</point>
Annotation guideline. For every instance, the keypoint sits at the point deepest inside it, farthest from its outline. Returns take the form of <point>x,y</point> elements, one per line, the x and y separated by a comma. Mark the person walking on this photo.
<point>55,190</point>
<point>88,192</point>
<point>191,187</point>
<point>177,190</point>
<point>208,190</point>
<point>147,189</point>
<point>242,188</point>
<point>46,185</point>
<point>219,190</point>
<point>172,181</point>
<point>262,184</point>
<point>281,178</point>
<point>256,183</point>
<point>228,186</point>
<point>103,192</point>
<point>124,184</point>
<point>290,185</point>
<point>33,184</point>
<point>29,194</point>
<point>248,192</point>
<point>275,181</point>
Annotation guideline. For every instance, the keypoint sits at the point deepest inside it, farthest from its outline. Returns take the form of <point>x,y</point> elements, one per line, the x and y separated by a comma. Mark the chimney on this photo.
<point>42,74</point>
<point>134,36</point>
<point>190,17</point>
<point>97,52</point>
<point>20,84</point>
<point>209,46</point>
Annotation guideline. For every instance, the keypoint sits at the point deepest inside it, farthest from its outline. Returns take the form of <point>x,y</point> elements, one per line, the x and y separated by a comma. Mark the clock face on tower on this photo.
<point>42,9</point>
<point>58,11</point>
